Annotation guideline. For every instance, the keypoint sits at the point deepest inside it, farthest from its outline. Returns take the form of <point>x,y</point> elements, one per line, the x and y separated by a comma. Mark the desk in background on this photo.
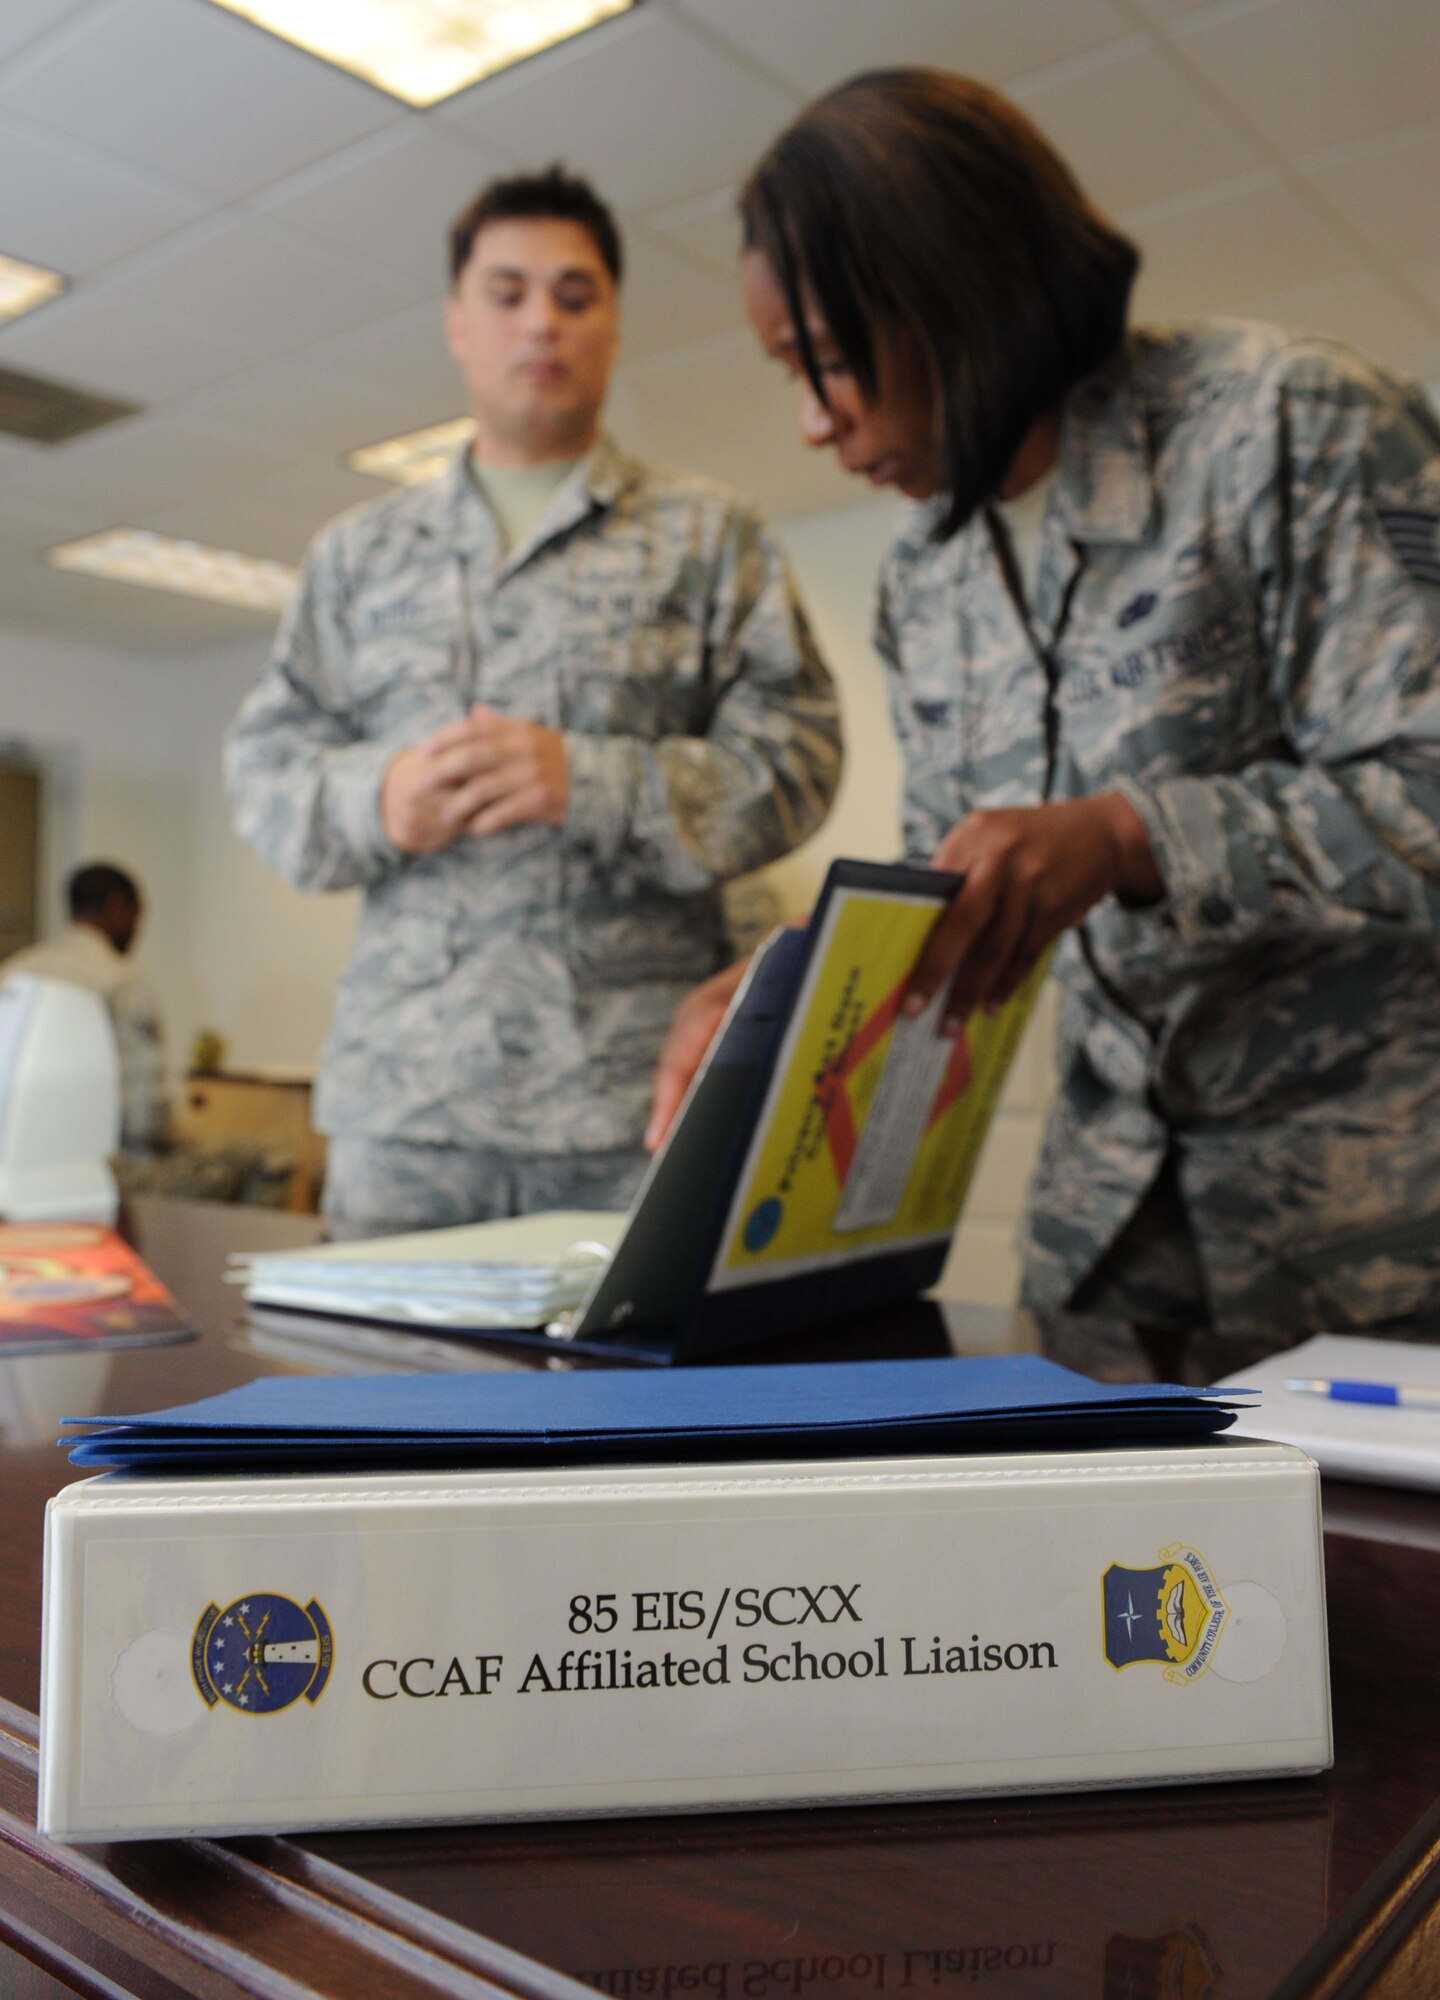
<point>267,1104</point>
<point>1221,1892</point>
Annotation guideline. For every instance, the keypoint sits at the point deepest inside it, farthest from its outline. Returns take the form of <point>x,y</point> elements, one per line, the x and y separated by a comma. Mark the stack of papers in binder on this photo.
<point>515,1273</point>
<point>832,1409</point>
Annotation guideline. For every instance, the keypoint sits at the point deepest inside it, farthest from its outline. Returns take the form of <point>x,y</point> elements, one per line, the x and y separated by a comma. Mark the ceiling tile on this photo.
<point>392,199</point>
<point>670,302</point>
<point>26,526</point>
<point>817,43</point>
<point>1367,313</point>
<point>645,107</point>
<point>1134,128</point>
<point>723,410</point>
<point>23,21</point>
<point>1311,72</point>
<point>265,287</point>
<point>406,351</point>
<point>100,338</point>
<point>1387,188</point>
<point>317,411</point>
<point>127,471</point>
<point>178,84</point>
<point>706,230</point>
<point>1212,253</point>
<point>271,517</point>
<point>115,615</point>
<point>76,211</point>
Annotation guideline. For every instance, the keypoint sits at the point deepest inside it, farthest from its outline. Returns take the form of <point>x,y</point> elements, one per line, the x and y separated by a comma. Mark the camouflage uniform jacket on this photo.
<point>513,991</point>
<point>1236,624</point>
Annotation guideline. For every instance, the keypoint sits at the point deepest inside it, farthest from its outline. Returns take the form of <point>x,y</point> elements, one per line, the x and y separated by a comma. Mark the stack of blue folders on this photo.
<point>831,1409</point>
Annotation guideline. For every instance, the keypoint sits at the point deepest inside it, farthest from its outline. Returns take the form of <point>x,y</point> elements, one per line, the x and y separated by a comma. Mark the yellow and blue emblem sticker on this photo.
<point>1169,1615</point>
<point>262,1653</point>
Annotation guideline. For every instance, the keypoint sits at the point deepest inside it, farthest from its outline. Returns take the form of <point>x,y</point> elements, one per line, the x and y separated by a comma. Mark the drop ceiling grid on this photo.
<point>1396,62</point>
<point>22,22</point>
<point>251,234</point>
<point>189,90</point>
<point>76,209</point>
<point>812,44</point>
<point>647,102</point>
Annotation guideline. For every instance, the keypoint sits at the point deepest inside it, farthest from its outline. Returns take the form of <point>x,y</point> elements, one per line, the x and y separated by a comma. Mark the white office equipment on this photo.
<point>59,1102</point>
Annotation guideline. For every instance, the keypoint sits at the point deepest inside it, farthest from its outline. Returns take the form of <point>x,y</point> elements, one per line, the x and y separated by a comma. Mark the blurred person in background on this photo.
<point>106,907</point>
<point>540,710</point>
<point>94,951</point>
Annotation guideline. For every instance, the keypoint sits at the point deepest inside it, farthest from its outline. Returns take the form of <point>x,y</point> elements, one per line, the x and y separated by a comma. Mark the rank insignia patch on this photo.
<point>261,1653</point>
<point>1170,1615</point>
<point>1414,534</point>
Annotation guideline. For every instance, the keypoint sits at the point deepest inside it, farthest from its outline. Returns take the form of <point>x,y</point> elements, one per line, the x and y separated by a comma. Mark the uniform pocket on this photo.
<point>637,684</point>
<point>675,941</point>
<point>398,950</point>
<point>404,658</point>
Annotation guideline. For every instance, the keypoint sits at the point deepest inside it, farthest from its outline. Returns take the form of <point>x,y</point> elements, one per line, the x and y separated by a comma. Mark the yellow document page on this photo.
<point>872,1124</point>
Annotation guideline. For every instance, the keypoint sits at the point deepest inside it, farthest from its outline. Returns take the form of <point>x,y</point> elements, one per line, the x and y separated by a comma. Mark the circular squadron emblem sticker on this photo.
<point>262,1653</point>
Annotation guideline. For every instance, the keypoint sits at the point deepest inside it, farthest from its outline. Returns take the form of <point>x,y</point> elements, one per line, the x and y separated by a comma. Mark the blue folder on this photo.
<point>831,1409</point>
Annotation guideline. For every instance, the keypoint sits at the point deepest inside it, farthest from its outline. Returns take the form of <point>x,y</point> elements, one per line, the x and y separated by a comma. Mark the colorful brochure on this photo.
<point>68,1285</point>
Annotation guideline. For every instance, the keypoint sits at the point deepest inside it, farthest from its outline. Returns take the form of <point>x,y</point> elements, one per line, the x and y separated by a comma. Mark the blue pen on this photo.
<point>1413,1395</point>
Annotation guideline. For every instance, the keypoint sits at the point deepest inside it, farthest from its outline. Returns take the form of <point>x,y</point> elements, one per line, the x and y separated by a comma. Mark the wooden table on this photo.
<point>1323,1887</point>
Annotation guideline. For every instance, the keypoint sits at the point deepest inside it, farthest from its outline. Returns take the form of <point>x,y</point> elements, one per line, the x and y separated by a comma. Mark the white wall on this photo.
<point>114,746</point>
<point>267,957</point>
<point>836,558</point>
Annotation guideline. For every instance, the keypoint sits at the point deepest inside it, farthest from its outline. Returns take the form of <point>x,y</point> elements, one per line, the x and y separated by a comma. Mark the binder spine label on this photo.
<point>326,1666</point>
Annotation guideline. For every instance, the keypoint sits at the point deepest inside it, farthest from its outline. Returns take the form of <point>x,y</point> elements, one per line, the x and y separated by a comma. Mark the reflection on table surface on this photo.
<point>1181,1893</point>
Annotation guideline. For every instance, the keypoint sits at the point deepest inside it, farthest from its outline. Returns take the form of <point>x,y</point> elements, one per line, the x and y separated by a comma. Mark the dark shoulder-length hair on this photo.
<point>910,202</point>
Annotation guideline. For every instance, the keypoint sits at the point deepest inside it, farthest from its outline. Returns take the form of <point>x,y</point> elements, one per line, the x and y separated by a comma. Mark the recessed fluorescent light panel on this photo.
<point>25,286</point>
<point>417,456</point>
<point>131,555</point>
<point>423,50</point>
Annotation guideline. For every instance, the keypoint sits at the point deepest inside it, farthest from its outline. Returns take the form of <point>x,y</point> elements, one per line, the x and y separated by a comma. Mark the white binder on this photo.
<point>242,1655</point>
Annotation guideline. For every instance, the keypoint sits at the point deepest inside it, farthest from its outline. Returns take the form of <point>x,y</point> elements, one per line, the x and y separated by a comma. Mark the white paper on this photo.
<point>915,1066</point>
<point>1373,1441</point>
<point>517,1272</point>
<point>524,1240</point>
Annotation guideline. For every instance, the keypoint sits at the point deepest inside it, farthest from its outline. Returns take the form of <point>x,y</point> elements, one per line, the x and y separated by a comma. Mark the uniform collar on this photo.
<point>1104,487</point>
<point>607,472</point>
<point>86,941</point>
<point>455,508</point>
